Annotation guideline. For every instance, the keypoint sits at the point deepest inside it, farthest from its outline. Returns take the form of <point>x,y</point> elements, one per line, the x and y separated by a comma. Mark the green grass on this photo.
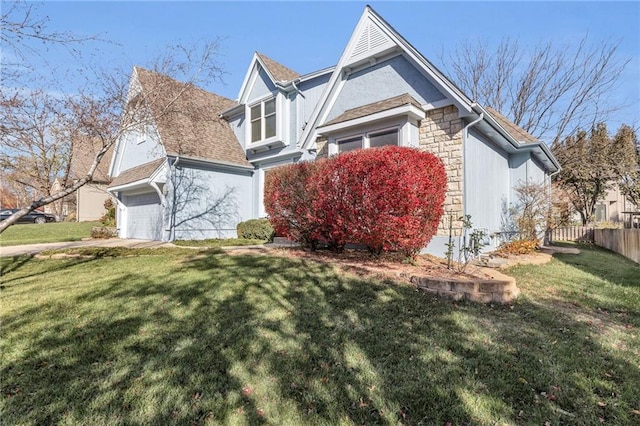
<point>222,242</point>
<point>199,337</point>
<point>46,233</point>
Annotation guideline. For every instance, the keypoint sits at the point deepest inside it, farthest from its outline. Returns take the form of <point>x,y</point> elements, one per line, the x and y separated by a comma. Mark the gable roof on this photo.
<point>188,120</point>
<point>372,108</point>
<point>276,70</point>
<point>372,38</point>
<point>134,174</point>
<point>83,154</point>
<point>514,130</point>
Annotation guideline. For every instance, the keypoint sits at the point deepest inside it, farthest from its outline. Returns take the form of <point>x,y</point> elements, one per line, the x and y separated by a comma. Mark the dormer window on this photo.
<point>263,120</point>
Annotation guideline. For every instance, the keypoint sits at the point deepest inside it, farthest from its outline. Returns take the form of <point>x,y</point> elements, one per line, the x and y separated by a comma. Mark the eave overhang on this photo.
<point>505,140</point>
<point>410,111</point>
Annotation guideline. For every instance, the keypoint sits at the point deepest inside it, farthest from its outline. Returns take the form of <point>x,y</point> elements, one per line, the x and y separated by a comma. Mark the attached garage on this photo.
<point>143,216</point>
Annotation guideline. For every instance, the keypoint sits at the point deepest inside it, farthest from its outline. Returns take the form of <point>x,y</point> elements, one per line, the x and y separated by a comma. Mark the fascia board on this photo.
<point>404,110</point>
<point>314,74</point>
<point>130,186</point>
<point>531,146</point>
<point>202,162</point>
<point>413,53</point>
<point>462,102</point>
<point>247,77</point>
<point>232,112</point>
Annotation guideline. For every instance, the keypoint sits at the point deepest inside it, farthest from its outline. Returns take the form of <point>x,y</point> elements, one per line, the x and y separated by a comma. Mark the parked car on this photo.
<point>33,217</point>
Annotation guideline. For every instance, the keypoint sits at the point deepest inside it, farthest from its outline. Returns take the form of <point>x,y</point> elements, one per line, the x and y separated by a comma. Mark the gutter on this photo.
<point>514,142</point>
<point>465,135</point>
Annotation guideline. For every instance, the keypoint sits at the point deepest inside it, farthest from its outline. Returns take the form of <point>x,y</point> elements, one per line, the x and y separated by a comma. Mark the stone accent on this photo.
<point>322,145</point>
<point>441,133</point>
<point>503,290</point>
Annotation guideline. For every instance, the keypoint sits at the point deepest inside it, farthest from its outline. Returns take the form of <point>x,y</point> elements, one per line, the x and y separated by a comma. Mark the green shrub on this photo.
<point>109,218</point>
<point>256,229</point>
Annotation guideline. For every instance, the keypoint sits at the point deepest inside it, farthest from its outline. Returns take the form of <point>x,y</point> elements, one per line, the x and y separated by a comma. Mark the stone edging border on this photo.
<point>503,290</point>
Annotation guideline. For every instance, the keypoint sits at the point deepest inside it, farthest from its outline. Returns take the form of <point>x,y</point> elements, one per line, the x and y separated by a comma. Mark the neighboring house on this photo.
<point>381,92</point>
<point>87,203</point>
<point>615,207</point>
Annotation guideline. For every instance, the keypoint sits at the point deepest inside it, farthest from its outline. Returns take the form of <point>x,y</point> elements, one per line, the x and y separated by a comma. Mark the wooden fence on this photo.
<point>623,241</point>
<point>571,233</point>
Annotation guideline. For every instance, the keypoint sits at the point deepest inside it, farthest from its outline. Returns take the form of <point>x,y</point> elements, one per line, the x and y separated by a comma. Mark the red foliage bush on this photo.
<point>389,199</point>
<point>288,201</point>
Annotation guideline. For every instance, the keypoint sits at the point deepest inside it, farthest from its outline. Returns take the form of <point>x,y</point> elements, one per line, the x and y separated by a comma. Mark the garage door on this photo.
<point>144,216</point>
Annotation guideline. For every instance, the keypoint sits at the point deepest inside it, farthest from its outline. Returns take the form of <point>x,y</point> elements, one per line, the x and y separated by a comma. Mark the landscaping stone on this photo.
<point>499,289</point>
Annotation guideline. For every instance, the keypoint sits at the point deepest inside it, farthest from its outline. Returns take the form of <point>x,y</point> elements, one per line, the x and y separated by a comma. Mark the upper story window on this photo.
<point>263,120</point>
<point>140,136</point>
<point>373,139</point>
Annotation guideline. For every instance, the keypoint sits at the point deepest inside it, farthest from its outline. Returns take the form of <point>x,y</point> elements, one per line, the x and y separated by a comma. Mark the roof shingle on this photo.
<point>188,120</point>
<point>375,107</point>
<point>278,71</point>
<point>84,153</point>
<point>514,130</point>
<point>137,173</point>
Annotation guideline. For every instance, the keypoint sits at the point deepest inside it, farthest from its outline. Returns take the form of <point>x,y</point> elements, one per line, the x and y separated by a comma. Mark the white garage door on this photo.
<point>144,216</point>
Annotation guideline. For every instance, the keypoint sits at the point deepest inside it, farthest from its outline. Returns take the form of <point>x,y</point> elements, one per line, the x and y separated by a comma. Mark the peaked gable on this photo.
<point>188,121</point>
<point>277,71</point>
<point>261,64</point>
<point>372,39</point>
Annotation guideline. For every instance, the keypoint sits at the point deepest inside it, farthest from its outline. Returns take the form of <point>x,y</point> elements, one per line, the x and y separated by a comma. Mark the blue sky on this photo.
<point>307,36</point>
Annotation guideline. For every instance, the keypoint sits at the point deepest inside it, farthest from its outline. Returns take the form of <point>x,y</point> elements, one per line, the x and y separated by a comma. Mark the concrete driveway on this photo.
<point>112,242</point>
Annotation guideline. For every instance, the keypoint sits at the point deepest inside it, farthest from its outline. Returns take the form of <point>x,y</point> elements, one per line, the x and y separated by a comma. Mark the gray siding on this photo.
<point>131,153</point>
<point>262,86</point>
<point>238,126</point>
<point>399,76</point>
<point>487,182</point>
<point>208,203</point>
<point>524,169</point>
<point>312,90</point>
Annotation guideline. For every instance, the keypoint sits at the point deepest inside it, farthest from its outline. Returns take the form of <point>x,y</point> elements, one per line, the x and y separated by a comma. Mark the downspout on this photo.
<point>465,135</point>
<point>172,228</point>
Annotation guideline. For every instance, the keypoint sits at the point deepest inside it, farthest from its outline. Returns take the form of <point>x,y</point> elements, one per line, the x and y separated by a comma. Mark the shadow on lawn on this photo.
<point>269,340</point>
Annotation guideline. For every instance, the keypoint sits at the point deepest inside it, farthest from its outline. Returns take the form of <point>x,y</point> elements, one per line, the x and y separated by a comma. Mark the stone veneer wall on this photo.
<point>441,133</point>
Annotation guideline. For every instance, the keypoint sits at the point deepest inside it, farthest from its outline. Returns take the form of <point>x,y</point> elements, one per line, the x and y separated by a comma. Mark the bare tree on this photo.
<point>550,91</point>
<point>25,33</point>
<point>39,128</point>
<point>592,164</point>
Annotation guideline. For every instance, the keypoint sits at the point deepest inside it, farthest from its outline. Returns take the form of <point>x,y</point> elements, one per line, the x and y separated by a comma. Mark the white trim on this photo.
<point>440,81</point>
<point>411,111</point>
<point>365,135</point>
<point>279,112</point>
<point>437,104</point>
<point>130,186</point>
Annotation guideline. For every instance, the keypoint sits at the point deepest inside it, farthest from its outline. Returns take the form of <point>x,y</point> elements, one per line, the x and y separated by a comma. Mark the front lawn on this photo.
<point>46,233</point>
<point>218,242</point>
<point>201,337</point>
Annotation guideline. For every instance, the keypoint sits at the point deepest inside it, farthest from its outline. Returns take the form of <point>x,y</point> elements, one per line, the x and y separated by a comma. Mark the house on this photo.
<point>382,91</point>
<point>87,203</point>
<point>616,208</point>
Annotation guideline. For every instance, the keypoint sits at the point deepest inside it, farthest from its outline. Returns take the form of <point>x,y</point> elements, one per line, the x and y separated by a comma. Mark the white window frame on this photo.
<point>141,136</point>
<point>365,135</point>
<point>263,128</point>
